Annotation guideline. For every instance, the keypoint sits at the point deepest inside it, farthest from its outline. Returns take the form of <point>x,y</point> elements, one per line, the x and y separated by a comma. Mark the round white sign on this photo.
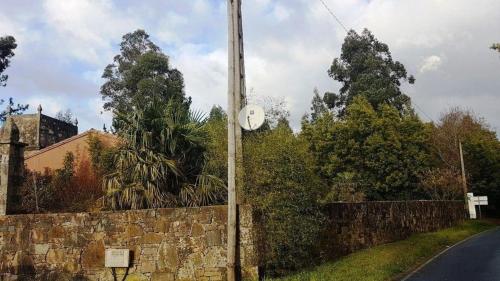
<point>251,117</point>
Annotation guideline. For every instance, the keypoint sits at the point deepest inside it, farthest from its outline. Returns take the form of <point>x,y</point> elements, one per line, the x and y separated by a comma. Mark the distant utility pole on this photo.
<point>236,90</point>
<point>464,180</point>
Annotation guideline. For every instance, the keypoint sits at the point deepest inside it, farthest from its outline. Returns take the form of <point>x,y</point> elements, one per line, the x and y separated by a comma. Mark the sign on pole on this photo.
<point>480,200</point>
<point>474,201</point>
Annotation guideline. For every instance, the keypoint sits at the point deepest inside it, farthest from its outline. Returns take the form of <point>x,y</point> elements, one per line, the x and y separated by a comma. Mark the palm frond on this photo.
<point>162,160</point>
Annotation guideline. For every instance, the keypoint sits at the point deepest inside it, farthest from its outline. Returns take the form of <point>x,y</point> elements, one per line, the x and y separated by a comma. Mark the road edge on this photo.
<point>413,272</point>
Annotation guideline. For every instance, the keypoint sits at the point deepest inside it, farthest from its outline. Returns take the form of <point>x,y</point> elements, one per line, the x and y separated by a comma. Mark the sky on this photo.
<point>63,47</point>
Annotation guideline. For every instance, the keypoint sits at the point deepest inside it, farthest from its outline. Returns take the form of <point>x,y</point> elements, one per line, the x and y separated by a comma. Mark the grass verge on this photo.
<point>389,261</point>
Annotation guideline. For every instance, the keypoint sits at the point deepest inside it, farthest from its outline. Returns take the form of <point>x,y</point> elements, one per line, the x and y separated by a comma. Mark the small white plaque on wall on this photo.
<point>117,258</point>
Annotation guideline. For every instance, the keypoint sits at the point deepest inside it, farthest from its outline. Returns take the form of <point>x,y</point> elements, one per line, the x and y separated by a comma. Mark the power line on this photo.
<point>421,110</point>
<point>334,16</point>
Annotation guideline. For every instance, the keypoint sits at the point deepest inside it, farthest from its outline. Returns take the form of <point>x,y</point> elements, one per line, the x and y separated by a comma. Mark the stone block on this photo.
<point>162,226</point>
<point>38,236</point>
<point>149,252</point>
<point>134,230</point>
<point>72,266</point>
<point>56,256</point>
<point>215,257</point>
<point>56,232</point>
<point>213,238</point>
<point>41,249</point>
<point>168,257</point>
<point>162,276</point>
<point>93,255</point>
<point>152,238</point>
<point>197,230</point>
<point>186,271</point>
<point>148,266</point>
<point>135,277</point>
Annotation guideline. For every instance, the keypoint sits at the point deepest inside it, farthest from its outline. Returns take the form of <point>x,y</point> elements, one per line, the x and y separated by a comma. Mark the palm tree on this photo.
<point>162,161</point>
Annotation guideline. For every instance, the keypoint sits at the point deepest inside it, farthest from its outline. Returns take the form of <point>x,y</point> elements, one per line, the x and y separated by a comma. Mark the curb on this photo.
<point>444,251</point>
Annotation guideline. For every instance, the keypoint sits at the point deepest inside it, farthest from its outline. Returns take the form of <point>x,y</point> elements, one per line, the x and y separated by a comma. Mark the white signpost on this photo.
<point>474,201</point>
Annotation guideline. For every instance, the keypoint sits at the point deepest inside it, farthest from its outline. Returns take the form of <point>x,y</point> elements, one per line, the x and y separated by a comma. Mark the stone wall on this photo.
<point>190,243</point>
<point>354,226</point>
<point>167,244</point>
<point>38,131</point>
<point>28,128</point>
<point>53,131</point>
<point>11,165</point>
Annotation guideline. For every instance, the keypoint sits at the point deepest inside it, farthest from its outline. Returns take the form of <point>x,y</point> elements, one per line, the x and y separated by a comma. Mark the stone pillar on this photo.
<point>38,127</point>
<point>11,165</point>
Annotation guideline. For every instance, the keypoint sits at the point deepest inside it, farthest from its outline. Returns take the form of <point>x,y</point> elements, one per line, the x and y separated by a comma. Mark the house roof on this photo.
<point>68,140</point>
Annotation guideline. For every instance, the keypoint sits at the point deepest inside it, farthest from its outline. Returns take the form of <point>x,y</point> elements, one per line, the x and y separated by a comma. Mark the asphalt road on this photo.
<point>477,259</point>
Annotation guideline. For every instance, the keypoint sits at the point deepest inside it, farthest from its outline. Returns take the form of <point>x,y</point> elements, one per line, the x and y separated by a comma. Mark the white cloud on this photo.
<point>167,31</point>
<point>205,75</point>
<point>50,105</point>
<point>201,7</point>
<point>95,114</point>
<point>281,12</point>
<point>428,23</point>
<point>262,3</point>
<point>289,45</point>
<point>94,76</point>
<point>87,29</point>
<point>431,63</point>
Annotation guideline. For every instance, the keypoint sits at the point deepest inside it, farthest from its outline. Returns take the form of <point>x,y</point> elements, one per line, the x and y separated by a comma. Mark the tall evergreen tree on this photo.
<point>140,74</point>
<point>162,159</point>
<point>217,113</point>
<point>318,106</point>
<point>366,68</point>
<point>7,46</point>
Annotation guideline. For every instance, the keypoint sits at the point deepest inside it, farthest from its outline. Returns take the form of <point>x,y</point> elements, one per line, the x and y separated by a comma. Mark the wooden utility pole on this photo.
<point>236,91</point>
<point>464,180</point>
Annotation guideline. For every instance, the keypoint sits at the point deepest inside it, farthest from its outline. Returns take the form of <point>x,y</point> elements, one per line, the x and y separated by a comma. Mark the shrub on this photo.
<point>73,188</point>
<point>442,184</point>
<point>36,194</point>
<point>382,151</point>
<point>101,156</point>
<point>282,186</point>
<point>78,190</point>
<point>481,151</point>
<point>344,189</point>
<point>216,127</point>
